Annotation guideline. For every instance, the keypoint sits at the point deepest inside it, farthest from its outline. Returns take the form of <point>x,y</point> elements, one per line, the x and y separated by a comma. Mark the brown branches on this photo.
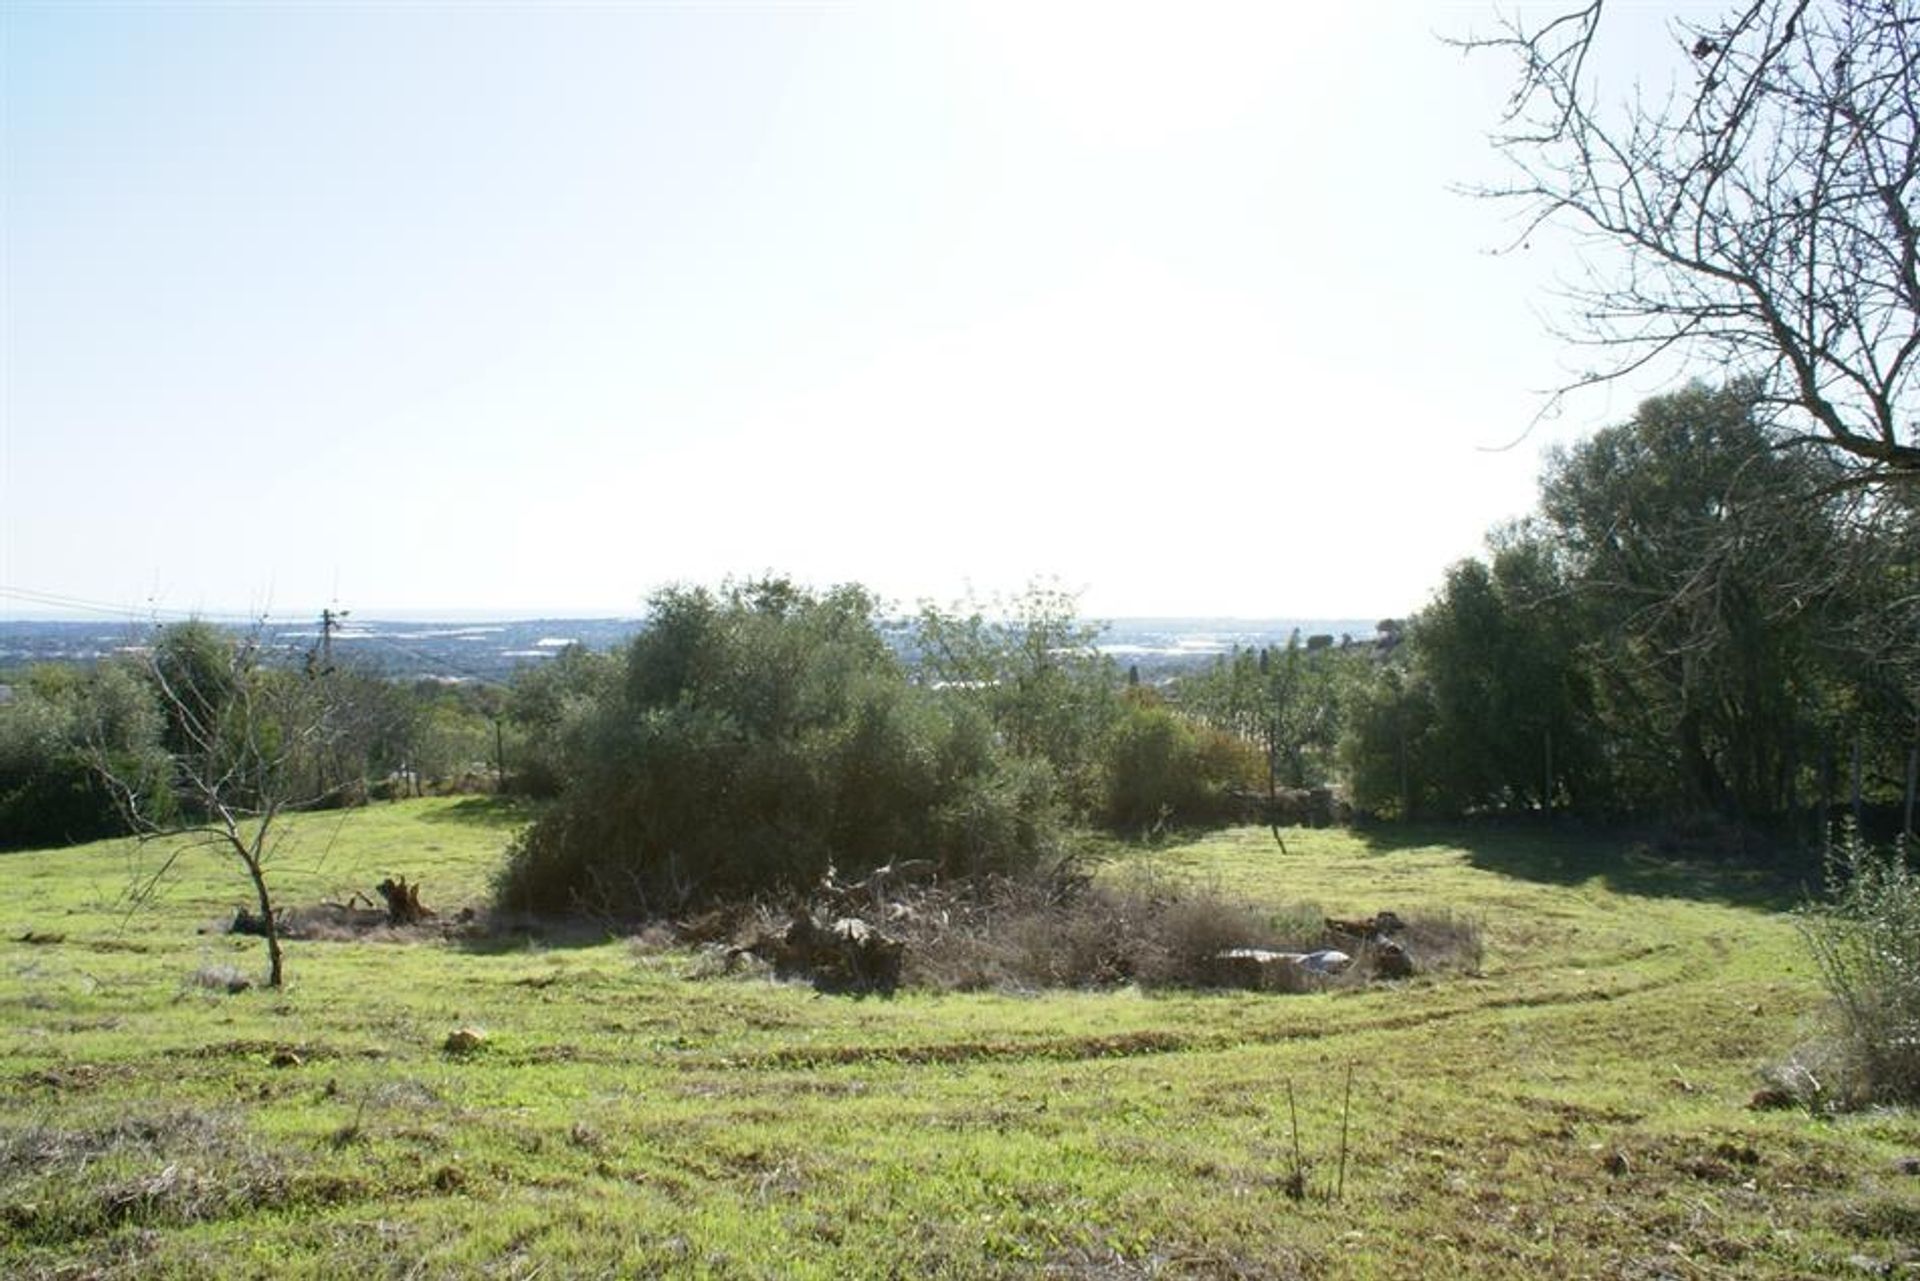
<point>244,743</point>
<point>1761,214</point>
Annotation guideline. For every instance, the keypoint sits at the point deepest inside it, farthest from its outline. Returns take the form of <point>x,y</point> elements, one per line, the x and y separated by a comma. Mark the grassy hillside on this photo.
<point>1578,1108</point>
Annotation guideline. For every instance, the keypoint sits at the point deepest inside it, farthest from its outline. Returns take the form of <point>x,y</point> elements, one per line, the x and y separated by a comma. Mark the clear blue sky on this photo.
<point>537,307</point>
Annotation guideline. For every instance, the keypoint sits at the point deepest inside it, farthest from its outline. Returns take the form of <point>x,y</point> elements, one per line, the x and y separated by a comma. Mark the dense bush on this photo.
<point>752,737</point>
<point>546,707</point>
<point>61,728</point>
<point>1866,941</point>
<point>1163,769</point>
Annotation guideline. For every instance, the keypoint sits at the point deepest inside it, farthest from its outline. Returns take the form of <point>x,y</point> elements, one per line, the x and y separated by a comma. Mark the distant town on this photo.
<point>491,651</point>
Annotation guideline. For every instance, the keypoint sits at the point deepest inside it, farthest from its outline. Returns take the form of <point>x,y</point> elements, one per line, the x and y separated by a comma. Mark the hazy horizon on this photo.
<point>356,617</point>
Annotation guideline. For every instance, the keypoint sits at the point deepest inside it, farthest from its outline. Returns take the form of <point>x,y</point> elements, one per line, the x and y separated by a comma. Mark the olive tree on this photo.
<point>751,739</point>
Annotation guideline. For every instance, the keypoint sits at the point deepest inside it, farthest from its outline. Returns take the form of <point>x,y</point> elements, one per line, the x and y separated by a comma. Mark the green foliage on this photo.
<point>452,735</point>
<point>546,706</point>
<point>1036,671</point>
<point>1699,552</point>
<point>752,737</point>
<point>62,724</point>
<point>1496,654</point>
<point>196,667</point>
<point>372,728</point>
<point>1390,750</point>
<point>1289,701</point>
<point>1866,941</point>
<point>1680,629</point>
<point>1162,769</point>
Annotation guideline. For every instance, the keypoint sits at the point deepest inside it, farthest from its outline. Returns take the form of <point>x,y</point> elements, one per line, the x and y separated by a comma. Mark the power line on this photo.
<point>56,601</point>
<point>80,604</point>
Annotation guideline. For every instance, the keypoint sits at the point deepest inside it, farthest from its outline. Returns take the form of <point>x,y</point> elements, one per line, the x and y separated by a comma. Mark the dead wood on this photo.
<point>403,902</point>
<point>1376,926</point>
<point>847,954</point>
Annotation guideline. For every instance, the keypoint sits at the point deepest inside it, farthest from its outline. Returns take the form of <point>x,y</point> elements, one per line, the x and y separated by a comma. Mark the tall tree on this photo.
<point>1508,693</point>
<point>1703,560</point>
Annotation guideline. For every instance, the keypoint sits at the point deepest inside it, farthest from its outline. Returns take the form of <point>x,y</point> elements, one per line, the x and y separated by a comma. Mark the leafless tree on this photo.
<point>1763,209</point>
<point>242,739</point>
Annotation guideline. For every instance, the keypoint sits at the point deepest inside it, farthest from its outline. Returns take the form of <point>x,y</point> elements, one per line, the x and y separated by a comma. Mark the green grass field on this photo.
<point>1578,1108</point>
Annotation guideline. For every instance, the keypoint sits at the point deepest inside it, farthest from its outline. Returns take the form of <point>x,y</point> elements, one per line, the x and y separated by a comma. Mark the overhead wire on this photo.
<point>81,604</point>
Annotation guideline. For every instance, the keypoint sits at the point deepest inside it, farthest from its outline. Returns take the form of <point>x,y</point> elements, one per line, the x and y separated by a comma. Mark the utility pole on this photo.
<point>330,622</point>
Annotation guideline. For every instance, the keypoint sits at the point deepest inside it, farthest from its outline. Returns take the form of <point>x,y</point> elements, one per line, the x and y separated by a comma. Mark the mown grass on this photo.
<point>1577,1108</point>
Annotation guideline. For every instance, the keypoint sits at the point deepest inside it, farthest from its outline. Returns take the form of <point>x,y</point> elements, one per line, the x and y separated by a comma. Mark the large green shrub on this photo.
<point>63,728</point>
<point>546,707</point>
<point>752,737</point>
<point>1163,768</point>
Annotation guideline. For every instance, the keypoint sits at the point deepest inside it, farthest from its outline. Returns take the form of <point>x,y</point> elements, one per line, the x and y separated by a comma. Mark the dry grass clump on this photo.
<point>1029,934</point>
<point>1444,942</point>
<point>185,1165</point>
<point>1865,938</point>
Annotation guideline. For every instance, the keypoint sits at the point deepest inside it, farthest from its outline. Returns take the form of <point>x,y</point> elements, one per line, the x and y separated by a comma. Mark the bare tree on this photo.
<point>241,741</point>
<point>1764,208</point>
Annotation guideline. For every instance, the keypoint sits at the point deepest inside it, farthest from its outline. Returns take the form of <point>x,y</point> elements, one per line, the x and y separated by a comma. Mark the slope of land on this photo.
<point>1578,1108</point>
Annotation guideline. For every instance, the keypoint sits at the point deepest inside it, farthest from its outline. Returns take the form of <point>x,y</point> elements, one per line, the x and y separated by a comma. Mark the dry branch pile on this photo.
<point>1062,929</point>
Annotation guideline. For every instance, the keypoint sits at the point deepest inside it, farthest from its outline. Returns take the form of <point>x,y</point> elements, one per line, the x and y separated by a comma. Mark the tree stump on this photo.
<point>403,902</point>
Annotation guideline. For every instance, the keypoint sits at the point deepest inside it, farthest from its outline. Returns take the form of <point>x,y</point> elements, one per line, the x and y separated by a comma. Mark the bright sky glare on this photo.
<point>508,307</point>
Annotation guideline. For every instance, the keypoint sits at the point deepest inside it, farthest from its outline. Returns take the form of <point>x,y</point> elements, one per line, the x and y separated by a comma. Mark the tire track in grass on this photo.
<point>1149,1041</point>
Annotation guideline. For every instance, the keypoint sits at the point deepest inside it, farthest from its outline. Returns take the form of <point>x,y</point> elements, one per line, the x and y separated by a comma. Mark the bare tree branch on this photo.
<point>1762,213</point>
<point>244,742</point>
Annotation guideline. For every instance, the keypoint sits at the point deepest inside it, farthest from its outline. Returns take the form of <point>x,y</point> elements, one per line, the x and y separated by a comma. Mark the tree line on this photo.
<point>1698,618</point>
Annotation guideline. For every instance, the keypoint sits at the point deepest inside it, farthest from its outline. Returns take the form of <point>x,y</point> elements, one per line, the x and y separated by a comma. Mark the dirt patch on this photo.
<point>75,1078</point>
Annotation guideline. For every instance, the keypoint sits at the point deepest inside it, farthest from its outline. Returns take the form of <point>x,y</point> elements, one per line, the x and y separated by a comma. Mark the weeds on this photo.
<point>1026,933</point>
<point>220,978</point>
<point>176,1167</point>
<point>1866,942</point>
